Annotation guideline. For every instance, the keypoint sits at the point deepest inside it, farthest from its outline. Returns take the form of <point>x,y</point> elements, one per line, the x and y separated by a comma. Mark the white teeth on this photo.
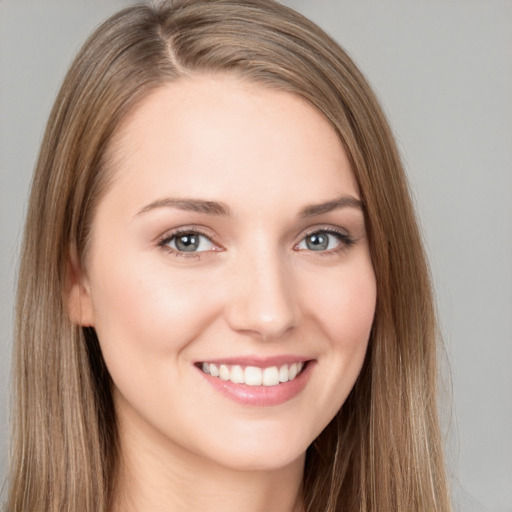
<point>237,375</point>
<point>224,372</point>
<point>252,375</point>
<point>271,376</point>
<point>214,371</point>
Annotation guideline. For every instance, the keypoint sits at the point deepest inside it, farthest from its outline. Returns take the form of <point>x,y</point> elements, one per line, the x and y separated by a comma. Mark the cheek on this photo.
<point>344,302</point>
<point>343,305</point>
<point>144,312</point>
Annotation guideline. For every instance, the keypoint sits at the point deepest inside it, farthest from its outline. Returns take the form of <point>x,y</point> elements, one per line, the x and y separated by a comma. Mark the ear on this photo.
<point>77,294</point>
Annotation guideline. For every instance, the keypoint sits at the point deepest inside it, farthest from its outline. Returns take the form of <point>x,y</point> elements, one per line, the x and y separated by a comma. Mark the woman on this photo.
<point>223,299</point>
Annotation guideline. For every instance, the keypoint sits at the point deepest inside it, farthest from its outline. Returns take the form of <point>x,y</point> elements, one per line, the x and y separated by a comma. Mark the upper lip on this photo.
<point>258,361</point>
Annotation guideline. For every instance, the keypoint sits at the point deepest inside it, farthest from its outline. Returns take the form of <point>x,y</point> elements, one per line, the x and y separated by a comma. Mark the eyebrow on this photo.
<point>189,205</point>
<point>329,206</point>
<point>222,209</point>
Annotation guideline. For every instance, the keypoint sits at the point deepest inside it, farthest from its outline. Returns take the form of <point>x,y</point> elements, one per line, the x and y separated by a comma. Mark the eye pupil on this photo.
<point>317,242</point>
<point>187,243</point>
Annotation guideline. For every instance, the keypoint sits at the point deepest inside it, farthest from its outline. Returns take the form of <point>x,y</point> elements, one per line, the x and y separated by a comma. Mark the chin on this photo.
<point>261,451</point>
<point>268,461</point>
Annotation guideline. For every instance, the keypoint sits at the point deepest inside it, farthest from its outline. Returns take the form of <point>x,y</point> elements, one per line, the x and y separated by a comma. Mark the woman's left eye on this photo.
<point>188,242</point>
<point>324,241</point>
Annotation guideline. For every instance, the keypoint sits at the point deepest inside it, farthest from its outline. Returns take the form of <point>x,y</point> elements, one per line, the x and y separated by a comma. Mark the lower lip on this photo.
<point>261,395</point>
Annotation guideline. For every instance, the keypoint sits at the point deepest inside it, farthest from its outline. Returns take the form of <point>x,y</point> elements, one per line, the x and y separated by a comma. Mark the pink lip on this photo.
<point>261,395</point>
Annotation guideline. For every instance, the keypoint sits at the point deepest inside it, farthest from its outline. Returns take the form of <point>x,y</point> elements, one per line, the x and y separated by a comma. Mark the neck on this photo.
<point>163,477</point>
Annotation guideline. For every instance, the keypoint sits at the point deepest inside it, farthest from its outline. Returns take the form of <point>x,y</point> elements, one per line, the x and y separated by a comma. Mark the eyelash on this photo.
<point>345,240</point>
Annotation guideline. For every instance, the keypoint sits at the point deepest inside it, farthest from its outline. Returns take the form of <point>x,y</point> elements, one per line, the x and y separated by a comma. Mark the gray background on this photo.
<point>443,71</point>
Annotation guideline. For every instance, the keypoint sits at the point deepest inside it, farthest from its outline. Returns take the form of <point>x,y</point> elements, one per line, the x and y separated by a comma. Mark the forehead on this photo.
<point>217,136</point>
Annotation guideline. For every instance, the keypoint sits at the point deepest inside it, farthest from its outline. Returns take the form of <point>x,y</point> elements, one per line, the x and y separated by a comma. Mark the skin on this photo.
<point>254,289</point>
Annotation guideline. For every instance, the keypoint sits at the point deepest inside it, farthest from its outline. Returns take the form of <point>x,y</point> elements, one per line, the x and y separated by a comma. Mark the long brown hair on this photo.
<point>383,451</point>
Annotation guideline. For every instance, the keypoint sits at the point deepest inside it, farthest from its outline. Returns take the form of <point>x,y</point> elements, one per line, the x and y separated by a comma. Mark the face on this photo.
<point>228,275</point>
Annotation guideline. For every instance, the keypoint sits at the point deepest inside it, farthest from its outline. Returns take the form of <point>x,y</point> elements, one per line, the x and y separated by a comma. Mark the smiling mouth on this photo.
<point>253,375</point>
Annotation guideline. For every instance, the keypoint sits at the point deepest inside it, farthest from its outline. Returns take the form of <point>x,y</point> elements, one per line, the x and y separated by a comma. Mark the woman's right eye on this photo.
<point>187,242</point>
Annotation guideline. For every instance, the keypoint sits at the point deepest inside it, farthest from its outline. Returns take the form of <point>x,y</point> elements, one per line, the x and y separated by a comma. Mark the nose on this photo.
<point>262,303</point>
